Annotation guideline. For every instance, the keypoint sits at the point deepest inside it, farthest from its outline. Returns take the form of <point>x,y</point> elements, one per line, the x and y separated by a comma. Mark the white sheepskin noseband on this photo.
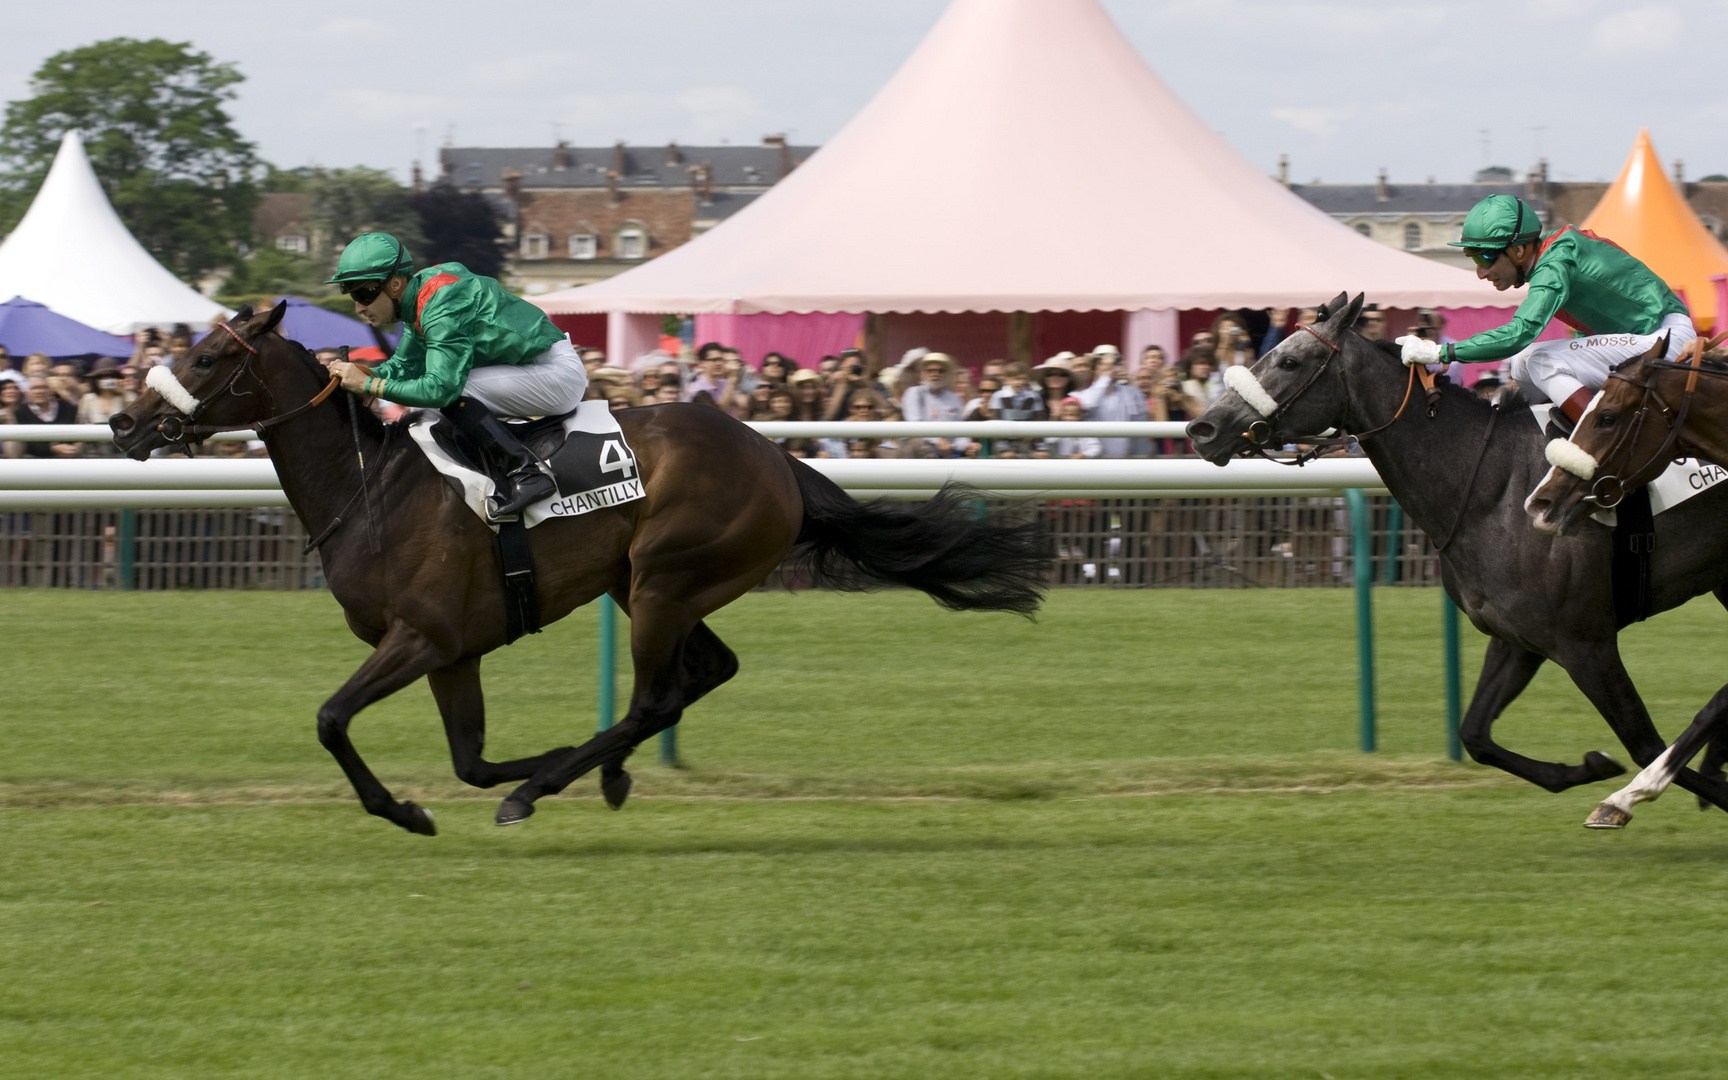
<point>1566,454</point>
<point>1241,380</point>
<point>161,380</point>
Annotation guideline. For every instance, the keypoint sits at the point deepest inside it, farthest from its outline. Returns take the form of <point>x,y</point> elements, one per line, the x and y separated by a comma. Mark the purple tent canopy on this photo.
<point>28,327</point>
<point>318,328</point>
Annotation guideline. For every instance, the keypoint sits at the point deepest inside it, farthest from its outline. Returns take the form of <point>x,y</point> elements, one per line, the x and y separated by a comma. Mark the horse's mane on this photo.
<point>370,423</point>
<point>1453,394</point>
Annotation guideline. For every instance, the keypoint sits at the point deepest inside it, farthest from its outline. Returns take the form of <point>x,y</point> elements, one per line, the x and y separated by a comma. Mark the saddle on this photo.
<point>583,450</point>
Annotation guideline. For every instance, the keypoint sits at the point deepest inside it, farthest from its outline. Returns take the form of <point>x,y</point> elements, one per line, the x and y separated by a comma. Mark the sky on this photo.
<point>1344,88</point>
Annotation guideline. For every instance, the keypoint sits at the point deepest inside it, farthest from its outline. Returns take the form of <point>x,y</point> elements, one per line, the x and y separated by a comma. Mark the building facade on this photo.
<point>576,215</point>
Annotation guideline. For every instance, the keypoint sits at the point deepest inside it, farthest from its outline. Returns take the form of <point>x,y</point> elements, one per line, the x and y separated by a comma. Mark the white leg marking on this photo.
<point>1648,785</point>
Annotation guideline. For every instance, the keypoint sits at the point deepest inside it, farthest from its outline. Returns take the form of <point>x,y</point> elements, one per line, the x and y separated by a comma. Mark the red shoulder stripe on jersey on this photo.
<point>433,284</point>
<point>1542,250</point>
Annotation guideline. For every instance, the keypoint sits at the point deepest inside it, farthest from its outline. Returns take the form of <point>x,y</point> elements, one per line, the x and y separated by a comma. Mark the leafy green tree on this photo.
<point>154,122</point>
<point>347,202</point>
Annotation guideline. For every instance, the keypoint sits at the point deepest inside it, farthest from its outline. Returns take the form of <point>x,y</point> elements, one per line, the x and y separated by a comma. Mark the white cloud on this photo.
<point>1646,31</point>
<point>549,66</point>
<point>1322,123</point>
<point>721,109</point>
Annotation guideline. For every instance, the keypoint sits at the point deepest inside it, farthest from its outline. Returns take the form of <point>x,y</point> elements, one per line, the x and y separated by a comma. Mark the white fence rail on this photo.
<point>117,483</point>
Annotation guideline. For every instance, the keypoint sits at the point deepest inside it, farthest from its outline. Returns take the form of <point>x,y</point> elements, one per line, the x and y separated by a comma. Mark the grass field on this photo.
<point>1131,840</point>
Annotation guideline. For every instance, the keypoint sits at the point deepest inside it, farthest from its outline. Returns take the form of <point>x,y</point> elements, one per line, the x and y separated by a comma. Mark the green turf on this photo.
<point>1131,840</point>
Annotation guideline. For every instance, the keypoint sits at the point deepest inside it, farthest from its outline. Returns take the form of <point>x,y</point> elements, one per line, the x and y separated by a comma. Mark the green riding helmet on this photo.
<point>1494,224</point>
<point>373,256</point>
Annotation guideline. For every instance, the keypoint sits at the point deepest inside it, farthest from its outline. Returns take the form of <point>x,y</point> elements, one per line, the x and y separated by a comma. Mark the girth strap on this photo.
<point>521,600</point>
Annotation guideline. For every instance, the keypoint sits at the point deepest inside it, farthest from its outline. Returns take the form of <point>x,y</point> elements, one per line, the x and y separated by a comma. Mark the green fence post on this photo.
<point>128,557</point>
<point>608,661</point>
<point>1362,556</point>
<point>669,747</point>
<point>1394,539</point>
<point>1454,677</point>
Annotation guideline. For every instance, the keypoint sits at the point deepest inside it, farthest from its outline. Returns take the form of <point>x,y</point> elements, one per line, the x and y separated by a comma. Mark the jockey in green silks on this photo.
<point>469,347</point>
<point>1592,285</point>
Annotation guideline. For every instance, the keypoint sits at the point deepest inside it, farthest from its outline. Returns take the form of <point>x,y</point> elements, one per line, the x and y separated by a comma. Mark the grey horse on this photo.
<point>1462,474</point>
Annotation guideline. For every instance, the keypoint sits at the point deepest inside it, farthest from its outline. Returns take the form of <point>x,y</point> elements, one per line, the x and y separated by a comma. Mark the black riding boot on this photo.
<point>528,482</point>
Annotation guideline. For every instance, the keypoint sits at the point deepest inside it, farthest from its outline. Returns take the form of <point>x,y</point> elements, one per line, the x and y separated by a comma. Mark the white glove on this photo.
<point>1420,350</point>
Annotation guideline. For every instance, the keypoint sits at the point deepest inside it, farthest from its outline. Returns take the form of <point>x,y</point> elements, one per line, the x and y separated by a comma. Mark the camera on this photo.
<point>854,369</point>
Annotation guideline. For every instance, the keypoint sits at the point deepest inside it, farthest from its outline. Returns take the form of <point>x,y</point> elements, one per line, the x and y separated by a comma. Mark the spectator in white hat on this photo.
<point>1113,398</point>
<point>932,400</point>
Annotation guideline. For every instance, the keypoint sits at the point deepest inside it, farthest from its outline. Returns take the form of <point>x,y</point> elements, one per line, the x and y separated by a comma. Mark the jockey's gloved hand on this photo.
<point>1420,350</point>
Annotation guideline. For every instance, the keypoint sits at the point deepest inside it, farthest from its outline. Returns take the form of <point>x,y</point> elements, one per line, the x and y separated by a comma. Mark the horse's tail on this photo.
<point>965,559</point>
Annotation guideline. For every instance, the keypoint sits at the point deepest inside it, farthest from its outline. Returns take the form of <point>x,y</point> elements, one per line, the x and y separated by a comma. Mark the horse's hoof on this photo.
<point>513,812</point>
<point>419,820</point>
<point>1607,817</point>
<point>616,789</point>
<point>1603,767</point>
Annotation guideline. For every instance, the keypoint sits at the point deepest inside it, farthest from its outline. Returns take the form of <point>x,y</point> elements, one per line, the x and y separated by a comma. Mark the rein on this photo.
<point>178,431</point>
<point>1609,490</point>
<point>1260,431</point>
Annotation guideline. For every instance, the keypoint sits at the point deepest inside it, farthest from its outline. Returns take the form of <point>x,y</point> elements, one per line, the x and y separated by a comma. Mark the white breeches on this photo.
<point>1555,370</point>
<point>550,384</point>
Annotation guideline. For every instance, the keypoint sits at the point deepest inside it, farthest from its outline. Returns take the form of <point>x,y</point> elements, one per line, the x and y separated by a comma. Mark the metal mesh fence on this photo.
<point>1123,543</point>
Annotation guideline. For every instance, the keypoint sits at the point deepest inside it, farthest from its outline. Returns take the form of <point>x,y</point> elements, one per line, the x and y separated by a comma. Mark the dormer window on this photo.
<point>535,245</point>
<point>299,245</point>
<point>584,245</point>
<point>632,242</point>
<point>1362,227</point>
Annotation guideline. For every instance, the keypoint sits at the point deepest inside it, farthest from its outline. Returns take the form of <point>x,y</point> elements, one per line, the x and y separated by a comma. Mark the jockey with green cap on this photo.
<point>1588,283</point>
<point>468,347</point>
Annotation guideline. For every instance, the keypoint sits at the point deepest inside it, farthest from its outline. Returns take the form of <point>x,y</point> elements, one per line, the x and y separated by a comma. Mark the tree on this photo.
<point>347,202</point>
<point>154,124</point>
<point>459,227</point>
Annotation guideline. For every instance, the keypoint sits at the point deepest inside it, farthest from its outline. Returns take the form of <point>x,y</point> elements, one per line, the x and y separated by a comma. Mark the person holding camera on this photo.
<point>1113,397</point>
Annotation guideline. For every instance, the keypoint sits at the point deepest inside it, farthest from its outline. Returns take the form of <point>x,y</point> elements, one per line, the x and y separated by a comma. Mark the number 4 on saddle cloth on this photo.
<point>586,453</point>
<point>584,450</point>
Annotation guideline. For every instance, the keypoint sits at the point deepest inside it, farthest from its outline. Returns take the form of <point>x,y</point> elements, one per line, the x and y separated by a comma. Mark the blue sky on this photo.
<point>1345,88</point>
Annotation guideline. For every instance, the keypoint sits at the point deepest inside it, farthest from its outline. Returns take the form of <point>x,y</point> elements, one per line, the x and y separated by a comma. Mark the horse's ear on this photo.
<point>1344,315</point>
<point>276,314</point>
<point>244,313</point>
<point>1326,310</point>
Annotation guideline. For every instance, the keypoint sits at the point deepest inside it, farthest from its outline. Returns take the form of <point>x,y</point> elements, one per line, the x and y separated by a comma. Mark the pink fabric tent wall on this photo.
<point>805,338</point>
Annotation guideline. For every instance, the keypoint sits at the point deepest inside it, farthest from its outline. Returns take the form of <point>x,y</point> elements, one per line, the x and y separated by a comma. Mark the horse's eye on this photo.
<point>205,361</point>
<point>1605,420</point>
<point>1289,363</point>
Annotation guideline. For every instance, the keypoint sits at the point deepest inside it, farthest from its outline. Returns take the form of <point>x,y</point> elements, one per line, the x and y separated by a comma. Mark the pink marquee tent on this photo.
<point>1023,159</point>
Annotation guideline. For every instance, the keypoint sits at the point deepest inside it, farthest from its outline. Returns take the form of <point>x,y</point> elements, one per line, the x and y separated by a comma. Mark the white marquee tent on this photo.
<point>72,253</point>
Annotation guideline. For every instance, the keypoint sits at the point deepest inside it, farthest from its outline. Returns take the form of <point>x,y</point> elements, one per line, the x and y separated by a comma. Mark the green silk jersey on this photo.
<point>1588,283</point>
<point>455,321</point>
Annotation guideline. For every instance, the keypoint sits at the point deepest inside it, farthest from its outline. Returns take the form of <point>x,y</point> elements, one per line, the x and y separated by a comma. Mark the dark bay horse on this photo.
<point>723,508</point>
<point>1463,474</point>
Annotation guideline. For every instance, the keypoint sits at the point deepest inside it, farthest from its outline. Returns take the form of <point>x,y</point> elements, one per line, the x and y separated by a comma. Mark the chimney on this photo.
<point>619,160</point>
<point>512,185</point>
<point>1382,191</point>
<point>785,153</point>
<point>1679,171</point>
<point>702,180</point>
<point>1284,169</point>
<point>561,156</point>
<point>419,180</point>
<point>612,186</point>
<point>674,156</point>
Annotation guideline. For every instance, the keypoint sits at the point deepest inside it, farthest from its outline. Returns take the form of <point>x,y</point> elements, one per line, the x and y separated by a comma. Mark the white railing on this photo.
<point>117,483</point>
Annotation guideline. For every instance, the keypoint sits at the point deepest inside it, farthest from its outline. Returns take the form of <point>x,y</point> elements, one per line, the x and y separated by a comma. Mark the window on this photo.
<point>297,244</point>
<point>632,243</point>
<point>534,245</point>
<point>1412,236</point>
<point>584,245</point>
<point>1362,227</point>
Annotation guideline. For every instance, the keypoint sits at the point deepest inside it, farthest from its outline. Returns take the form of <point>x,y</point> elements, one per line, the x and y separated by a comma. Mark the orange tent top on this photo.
<point>1643,213</point>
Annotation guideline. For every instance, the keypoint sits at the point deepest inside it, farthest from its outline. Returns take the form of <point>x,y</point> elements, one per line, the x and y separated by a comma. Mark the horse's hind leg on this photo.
<point>1506,671</point>
<point>1716,752</point>
<point>658,630</point>
<point>706,663</point>
<point>403,655</point>
<point>1599,673</point>
<point>456,688</point>
<point>1616,810</point>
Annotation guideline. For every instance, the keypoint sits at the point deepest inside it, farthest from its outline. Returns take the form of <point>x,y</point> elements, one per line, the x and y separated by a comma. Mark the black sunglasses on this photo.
<point>1484,258</point>
<point>362,292</point>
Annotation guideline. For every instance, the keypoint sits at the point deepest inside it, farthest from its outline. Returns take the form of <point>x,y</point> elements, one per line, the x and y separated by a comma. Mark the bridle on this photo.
<point>1261,431</point>
<point>177,430</point>
<point>1608,490</point>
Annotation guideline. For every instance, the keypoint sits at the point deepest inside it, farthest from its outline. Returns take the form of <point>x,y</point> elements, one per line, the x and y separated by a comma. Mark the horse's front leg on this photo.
<point>456,688</point>
<point>1616,810</point>
<point>403,655</point>
<point>1506,671</point>
<point>1597,671</point>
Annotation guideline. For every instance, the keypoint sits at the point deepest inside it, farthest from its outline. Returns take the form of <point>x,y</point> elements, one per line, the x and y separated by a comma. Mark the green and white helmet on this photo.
<point>1498,222</point>
<point>373,256</point>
